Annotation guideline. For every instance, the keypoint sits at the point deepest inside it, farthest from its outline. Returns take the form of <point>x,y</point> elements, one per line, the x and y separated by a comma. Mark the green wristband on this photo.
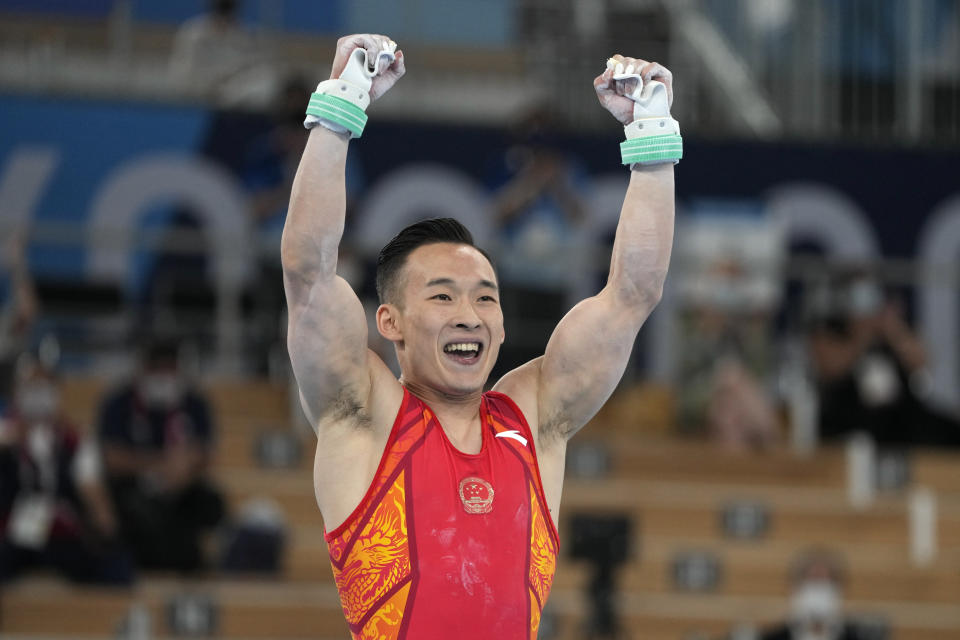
<point>338,111</point>
<point>652,149</point>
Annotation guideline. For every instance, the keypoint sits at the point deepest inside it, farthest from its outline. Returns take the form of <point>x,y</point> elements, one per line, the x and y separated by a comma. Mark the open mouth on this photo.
<point>463,352</point>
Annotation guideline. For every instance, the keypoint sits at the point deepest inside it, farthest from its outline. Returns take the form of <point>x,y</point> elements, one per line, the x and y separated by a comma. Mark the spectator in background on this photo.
<point>157,436</point>
<point>269,165</point>
<point>871,369</point>
<point>271,160</point>
<point>816,601</point>
<point>214,52</point>
<point>54,510</point>
<point>538,206</point>
<point>18,309</point>
<point>177,286</point>
<point>538,213</point>
<point>729,284</point>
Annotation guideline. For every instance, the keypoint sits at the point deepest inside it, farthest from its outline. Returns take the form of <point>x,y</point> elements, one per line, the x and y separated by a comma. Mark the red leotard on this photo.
<point>447,544</point>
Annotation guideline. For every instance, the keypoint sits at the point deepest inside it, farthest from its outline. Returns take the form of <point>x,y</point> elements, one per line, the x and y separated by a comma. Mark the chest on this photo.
<point>470,522</point>
<point>464,504</point>
<point>156,429</point>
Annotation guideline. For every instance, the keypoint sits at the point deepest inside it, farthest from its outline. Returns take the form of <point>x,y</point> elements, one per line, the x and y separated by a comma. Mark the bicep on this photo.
<point>327,342</point>
<point>584,361</point>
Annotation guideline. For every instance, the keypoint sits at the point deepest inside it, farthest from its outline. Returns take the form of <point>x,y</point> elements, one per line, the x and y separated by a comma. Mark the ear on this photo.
<point>388,322</point>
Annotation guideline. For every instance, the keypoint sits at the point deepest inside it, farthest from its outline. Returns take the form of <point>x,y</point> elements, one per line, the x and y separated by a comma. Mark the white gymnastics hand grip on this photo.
<point>650,98</point>
<point>361,70</point>
<point>626,73</point>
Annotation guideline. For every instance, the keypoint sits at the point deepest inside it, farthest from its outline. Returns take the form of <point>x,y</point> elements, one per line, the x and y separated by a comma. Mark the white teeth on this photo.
<point>462,346</point>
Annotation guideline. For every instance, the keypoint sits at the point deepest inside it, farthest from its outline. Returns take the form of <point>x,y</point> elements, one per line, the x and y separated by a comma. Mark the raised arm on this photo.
<point>24,303</point>
<point>588,351</point>
<point>327,331</point>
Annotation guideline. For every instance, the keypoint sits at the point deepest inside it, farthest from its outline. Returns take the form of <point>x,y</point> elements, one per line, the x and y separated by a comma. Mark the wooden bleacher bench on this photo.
<point>672,490</point>
<point>252,609</point>
<point>877,572</point>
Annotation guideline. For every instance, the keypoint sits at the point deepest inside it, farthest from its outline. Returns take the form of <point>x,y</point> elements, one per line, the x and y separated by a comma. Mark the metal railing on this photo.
<point>880,71</point>
<point>871,70</point>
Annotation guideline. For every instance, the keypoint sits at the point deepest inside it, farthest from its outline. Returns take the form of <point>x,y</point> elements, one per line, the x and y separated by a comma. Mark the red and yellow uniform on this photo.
<point>446,544</point>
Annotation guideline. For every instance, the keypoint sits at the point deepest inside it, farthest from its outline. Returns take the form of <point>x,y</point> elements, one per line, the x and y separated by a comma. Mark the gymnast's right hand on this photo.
<point>374,44</point>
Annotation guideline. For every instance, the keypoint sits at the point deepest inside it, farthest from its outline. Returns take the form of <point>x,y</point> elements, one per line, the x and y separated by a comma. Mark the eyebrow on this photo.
<point>449,281</point>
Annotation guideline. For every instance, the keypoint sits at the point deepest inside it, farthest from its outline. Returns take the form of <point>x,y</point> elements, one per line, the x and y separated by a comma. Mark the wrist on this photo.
<point>662,170</point>
<point>340,106</point>
<point>652,136</point>
<point>652,141</point>
<point>324,128</point>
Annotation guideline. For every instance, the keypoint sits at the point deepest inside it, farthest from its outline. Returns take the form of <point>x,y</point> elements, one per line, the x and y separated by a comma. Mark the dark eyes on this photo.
<point>444,297</point>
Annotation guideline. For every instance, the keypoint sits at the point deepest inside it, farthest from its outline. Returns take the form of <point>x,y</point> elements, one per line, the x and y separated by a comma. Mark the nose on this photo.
<point>467,318</point>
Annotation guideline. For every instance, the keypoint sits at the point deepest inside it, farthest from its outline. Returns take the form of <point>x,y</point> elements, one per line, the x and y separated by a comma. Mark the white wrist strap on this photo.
<point>340,104</point>
<point>653,137</point>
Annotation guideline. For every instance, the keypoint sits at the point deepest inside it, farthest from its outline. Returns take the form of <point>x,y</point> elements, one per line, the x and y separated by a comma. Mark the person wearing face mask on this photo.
<point>156,433</point>
<point>816,602</point>
<point>872,371</point>
<point>54,510</point>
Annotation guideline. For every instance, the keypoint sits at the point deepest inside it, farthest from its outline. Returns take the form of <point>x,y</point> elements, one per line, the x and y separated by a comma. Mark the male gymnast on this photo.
<point>440,500</point>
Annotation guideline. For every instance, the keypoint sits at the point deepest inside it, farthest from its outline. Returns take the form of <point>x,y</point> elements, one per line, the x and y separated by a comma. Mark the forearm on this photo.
<point>23,292</point>
<point>99,507</point>
<point>644,239</point>
<point>909,349</point>
<point>315,218</point>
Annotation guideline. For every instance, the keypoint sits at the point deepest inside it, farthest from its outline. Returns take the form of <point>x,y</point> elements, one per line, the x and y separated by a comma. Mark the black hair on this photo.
<point>227,8</point>
<point>394,254</point>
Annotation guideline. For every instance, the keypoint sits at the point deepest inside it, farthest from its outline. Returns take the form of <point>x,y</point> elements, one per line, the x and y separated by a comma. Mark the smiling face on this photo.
<point>449,327</point>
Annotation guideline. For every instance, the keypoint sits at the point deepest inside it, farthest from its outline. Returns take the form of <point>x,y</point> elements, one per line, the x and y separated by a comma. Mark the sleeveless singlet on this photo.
<point>446,544</point>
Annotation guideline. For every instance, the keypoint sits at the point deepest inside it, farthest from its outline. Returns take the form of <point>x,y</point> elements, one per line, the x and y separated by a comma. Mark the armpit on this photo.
<point>346,407</point>
<point>555,426</point>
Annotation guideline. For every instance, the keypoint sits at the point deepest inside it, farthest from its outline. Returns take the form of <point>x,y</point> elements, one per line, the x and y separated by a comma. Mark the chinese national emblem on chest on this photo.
<point>476,495</point>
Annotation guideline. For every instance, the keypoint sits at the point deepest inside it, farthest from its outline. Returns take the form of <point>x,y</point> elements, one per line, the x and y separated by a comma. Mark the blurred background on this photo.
<point>782,459</point>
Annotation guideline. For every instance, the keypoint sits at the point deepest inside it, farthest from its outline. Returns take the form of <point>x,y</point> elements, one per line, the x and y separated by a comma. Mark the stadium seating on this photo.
<point>674,492</point>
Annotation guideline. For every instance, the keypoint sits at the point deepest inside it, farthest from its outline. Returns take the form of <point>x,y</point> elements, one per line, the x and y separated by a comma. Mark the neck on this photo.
<point>458,414</point>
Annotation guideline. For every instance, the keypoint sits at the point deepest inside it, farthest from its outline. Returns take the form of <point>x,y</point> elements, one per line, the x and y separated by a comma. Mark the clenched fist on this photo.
<point>374,44</point>
<point>614,94</point>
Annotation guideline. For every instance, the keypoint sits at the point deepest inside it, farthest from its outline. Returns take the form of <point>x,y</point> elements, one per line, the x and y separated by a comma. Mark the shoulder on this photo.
<point>520,388</point>
<point>501,404</point>
<point>507,415</point>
